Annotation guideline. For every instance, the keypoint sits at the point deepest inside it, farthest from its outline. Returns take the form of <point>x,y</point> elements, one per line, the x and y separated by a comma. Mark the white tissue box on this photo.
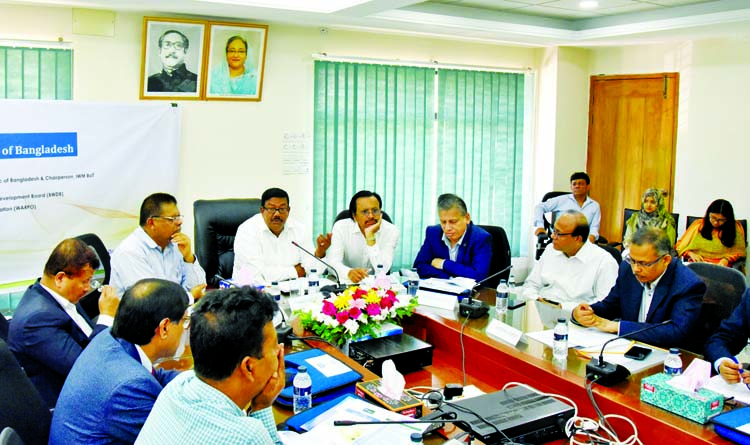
<point>407,405</point>
<point>697,406</point>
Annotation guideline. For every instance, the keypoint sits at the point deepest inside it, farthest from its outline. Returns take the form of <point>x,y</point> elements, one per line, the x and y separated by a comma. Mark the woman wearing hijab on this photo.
<point>653,213</point>
<point>716,238</point>
<point>234,77</point>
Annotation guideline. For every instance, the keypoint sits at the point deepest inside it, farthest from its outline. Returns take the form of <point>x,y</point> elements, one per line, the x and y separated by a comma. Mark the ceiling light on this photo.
<point>588,4</point>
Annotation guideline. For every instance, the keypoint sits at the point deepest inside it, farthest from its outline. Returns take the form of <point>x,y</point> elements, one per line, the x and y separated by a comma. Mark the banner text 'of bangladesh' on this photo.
<point>38,145</point>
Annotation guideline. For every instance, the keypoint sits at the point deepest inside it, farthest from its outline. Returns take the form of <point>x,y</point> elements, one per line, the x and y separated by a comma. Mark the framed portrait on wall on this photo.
<point>235,62</point>
<point>172,58</point>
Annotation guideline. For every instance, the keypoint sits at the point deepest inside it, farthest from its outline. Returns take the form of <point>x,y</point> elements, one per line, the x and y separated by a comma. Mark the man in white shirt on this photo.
<point>263,249</point>
<point>573,270</point>
<point>158,249</point>
<point>364,240</point>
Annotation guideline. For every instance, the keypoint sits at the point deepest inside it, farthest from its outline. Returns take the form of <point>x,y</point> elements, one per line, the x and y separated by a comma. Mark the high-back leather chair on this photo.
<point>500,255</point>
<point>21,405</point>
<point>725,287</point>
<point>544,239</point>
<point>90,301</point>
<point>216,223</point>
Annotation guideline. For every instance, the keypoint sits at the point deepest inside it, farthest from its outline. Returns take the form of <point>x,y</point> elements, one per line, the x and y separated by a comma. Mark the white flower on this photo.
<point>330,322</point>
<point>352,326</point>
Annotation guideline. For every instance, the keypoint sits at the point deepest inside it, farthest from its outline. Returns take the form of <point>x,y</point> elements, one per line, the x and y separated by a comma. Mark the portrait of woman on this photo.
<point>236,59</point>
<point>716,238</point>
<point>653,213</point>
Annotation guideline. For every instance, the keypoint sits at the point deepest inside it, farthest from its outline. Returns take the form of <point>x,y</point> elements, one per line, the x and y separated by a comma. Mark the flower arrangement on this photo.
<point>357,312</point>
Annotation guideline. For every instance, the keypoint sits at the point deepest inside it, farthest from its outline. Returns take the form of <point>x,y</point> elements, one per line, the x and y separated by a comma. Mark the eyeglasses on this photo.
<point>717,220</point>
<point>236,51</point>
<point>373,212</point>
<point>175,45</point>
<point>280,210</point>
<point>186,322</point>
<point>175,219</point>
<point>558,234</point>
<point>642,264</point>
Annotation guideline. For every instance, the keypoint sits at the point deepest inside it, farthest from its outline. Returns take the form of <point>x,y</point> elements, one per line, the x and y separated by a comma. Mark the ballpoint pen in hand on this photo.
<point>742,371</point>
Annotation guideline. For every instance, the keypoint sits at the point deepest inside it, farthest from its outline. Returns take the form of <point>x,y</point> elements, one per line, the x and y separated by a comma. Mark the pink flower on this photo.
<point>329,308</point>
<point>354,313</point>
<point>342,317</point>
<point>386,302</point>
<point>373,309</point>
<point>359,303</point>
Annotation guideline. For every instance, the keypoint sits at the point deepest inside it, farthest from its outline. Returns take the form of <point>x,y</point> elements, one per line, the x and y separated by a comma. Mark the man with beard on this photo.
<point>158,249</point>
<point>363,241</point>
<point>263,249</point>
<point>174,76</point>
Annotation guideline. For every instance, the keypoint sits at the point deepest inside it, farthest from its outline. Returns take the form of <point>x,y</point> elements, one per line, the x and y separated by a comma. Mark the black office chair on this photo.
<point>626,214</point>
<point>725,287</point>
<point>500,255</point>
<point>216,223</point>
<point>90,301</point>
<point>345,214</point>
<point>612,251</point>
<point>21,406</point>
<point>544,239</point>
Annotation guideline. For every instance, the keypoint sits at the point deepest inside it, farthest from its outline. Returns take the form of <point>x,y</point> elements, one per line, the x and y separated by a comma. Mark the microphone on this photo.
<point>436,418</point>
<point>475,308</point>
<point>608,374</point>
<point>338,288</point>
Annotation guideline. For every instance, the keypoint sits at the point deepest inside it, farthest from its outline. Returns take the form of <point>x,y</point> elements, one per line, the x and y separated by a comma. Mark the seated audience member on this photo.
<point>573,270</point>
<point>364,240</point>
<point>456,247</point>
<point>728,341</point>
<point>578,200</point>
<point>653,213</point>
<point>263,246</point>
<point>717,238</point>
<point>239,371</point>
<point>113,386</point>
<point>158,249</point>
<point>651,287</point>
<point>49,329</point>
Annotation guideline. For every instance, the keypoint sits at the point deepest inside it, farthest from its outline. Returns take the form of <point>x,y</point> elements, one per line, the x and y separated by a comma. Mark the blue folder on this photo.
<point>324,388</point>
<point>733,425</point>
<point>301,422</point>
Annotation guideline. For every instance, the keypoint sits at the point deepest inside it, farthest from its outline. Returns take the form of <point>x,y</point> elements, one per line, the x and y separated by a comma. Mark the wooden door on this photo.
<point>631,146</point>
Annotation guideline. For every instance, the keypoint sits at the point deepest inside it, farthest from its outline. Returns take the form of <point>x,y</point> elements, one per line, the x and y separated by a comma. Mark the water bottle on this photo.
<point>415,438</point>
<point>673,362</point>
<point>560,339</point>
<point>302,390</point>
<point>501,299</point>
<point>379,271</point>
<point>313,282</point>
<point>274,291</point>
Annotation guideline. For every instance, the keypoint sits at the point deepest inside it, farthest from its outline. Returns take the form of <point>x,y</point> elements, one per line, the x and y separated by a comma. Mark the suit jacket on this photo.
<point>108,395</point>
<point>678,296</point>
<point>46,341</point>
<point>472,261</point>
<point>731,336</point>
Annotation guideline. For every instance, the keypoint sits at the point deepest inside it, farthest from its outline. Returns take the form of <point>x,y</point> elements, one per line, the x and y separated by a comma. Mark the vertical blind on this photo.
<point>36,73</point>
<point>380,128</point>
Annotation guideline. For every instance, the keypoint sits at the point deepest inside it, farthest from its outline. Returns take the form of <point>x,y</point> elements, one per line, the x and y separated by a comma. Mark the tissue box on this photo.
<point>407,405</point>
<point>697,406</point>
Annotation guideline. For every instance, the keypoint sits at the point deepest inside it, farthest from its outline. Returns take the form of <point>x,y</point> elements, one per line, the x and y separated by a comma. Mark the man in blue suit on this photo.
<point>456,247</point>
<point>728,341</point>
<point>49,329</point>
<point>112,387</point>
<point>651,287</point>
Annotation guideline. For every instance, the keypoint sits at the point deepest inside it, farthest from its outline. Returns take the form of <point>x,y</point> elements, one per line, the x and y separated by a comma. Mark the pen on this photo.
<point>742,371</point>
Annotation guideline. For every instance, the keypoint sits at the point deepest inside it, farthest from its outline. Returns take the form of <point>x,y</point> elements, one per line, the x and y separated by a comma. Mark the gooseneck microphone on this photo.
<point>338,288</point>
<point>608,374</point>
<point>474,308</point>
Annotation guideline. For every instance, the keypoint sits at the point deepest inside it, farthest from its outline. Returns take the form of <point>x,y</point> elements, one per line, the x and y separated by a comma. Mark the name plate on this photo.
<point>503,332</point>
<point>436,299</point>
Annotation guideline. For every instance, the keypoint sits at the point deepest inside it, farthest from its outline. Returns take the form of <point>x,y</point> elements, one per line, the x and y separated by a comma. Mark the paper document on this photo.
<point>454,285</point>
<point>738,390</point>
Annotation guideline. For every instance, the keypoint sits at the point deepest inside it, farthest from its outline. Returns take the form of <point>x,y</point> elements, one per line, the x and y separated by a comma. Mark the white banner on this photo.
<point>69,168</point>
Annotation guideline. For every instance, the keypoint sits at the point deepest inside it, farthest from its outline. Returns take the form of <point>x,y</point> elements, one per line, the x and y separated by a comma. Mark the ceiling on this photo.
<point>518,22</point>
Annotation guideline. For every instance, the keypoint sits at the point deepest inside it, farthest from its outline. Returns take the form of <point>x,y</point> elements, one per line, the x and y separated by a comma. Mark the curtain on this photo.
<point>480,145</point>
<point>373,130</point>
<point>36,73</point>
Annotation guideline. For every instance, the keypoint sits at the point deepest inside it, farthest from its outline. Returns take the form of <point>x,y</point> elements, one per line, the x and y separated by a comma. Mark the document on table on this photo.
<point>737,390</point>
<point>455,285</point>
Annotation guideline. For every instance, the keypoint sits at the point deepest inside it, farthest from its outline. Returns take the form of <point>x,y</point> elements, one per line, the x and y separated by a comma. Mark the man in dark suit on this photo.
<point>114,378</point>
<point>651,287</point>
<point>49,329</point>
<point>728,341</point>
<point>174,76</point>
<point>456,247</point>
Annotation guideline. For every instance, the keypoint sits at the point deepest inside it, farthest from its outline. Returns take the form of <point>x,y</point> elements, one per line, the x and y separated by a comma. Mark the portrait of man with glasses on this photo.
<point>263,249</point>
<point>174,75</point>
<point>652,287</point>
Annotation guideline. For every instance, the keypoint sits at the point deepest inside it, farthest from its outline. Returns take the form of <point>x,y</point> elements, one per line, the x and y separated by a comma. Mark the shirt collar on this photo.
<point>145,361</point>
<point>653,284</point>
<point>66,304</point>
<point>148,240</point>
<point>460,240</point>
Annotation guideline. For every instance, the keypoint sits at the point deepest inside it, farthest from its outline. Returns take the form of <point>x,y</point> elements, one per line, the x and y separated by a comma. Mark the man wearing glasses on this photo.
<point>573,270</point>
<point>651,287</point>
<point>158,249</point>
<point>363,241</point>
<point>263,249</point>
<point>174,76</point>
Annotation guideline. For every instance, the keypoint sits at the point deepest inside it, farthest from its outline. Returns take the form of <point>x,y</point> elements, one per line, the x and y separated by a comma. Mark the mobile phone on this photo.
<point>638,353</point>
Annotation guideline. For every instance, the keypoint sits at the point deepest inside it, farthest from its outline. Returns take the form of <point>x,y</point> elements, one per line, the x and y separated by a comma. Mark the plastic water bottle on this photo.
<point>501,299</point>
<point>302,390</point>
<point>274,291</point>
<point>379,271</point>
<point>313,282</point>
<point>560,339</point>
<point>673,362</point>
